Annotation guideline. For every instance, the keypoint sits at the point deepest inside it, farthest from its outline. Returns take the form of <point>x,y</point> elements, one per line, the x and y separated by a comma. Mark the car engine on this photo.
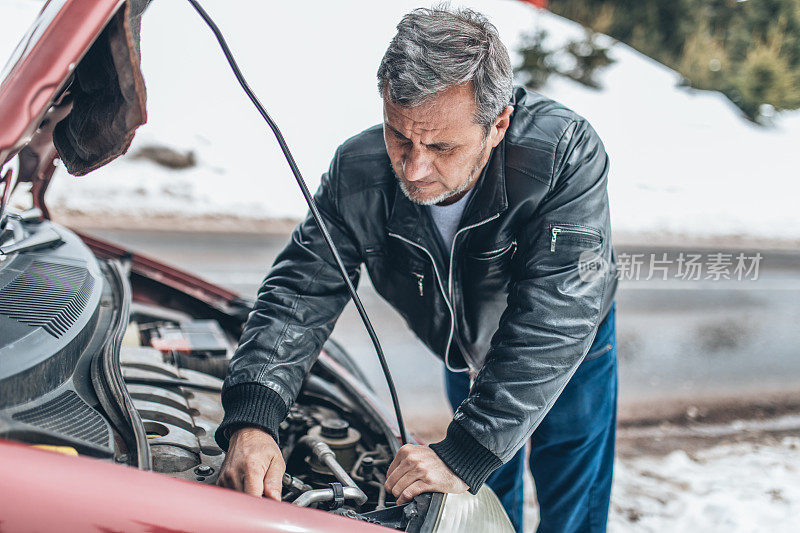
<point>336,457</point>
<point>87,369</point>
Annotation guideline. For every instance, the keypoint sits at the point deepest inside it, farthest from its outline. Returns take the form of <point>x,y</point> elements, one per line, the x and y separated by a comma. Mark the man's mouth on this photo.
<point>422,184</point>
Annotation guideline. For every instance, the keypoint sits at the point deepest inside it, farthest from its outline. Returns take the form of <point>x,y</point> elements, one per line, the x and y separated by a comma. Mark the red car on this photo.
<point>118,359</point>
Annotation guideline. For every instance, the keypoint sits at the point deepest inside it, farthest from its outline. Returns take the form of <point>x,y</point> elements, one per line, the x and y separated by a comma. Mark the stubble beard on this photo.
<point>409,190</point>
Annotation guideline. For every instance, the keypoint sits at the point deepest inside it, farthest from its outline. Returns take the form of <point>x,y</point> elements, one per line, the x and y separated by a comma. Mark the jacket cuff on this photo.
<point>466,457</point>
<point>250,405</point>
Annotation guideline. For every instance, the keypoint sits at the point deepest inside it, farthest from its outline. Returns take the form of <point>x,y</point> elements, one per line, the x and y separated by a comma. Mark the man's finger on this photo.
<point>273,480</point>
<point>401,456</point>
<point>401,464</point>
<point>253,483</point>
<point>400,470</point>
<point>223,480</point>
<point>412,491</point>
<point>404,482</point>
<point>229,482</point>
<point>394,464</point>
<point>229,479</point>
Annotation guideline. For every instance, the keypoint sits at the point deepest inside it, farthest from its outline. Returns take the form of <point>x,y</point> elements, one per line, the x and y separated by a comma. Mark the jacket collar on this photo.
<point>408,220</point>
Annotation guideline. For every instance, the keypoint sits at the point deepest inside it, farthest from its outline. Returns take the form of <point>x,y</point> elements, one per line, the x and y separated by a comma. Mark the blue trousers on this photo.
<point>571,451</point>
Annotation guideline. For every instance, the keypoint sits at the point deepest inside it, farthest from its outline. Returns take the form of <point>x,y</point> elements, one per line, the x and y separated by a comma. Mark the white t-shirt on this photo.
<point>447,217</point>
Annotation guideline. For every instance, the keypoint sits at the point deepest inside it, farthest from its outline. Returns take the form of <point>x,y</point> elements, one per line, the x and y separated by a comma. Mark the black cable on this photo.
<point>313,207</point>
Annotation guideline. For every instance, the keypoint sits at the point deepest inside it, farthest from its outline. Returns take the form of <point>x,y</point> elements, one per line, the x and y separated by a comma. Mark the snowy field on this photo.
<point>741,487</point>
<point>683,162</point>
<point>728,488</point>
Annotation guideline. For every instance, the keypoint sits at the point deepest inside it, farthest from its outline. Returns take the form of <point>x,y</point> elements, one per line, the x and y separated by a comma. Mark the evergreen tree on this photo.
<point>748,50</point>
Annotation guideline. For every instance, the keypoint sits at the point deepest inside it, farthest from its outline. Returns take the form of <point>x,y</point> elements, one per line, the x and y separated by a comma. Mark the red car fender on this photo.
<point>47,491</point>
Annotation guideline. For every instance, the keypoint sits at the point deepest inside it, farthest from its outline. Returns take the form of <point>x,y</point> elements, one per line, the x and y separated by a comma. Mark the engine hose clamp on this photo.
<point>338,496</point>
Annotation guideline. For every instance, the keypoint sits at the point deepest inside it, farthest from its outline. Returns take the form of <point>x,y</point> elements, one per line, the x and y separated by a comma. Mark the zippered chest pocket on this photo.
<point>564,233</point>
<point>495,253</point>
<point>399,272</point>
<point>408,284</point>
<point>488,272</point>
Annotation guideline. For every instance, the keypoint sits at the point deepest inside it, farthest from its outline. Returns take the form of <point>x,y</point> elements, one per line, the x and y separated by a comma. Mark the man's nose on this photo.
<point>416,165</point>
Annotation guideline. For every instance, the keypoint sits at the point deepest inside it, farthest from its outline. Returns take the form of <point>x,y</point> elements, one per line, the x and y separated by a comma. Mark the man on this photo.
<point>480,212</point>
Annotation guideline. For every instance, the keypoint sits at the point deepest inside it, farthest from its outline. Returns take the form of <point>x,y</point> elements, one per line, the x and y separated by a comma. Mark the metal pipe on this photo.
<point>326,456</point>
<point>381,494</point>
<point>381,484</point>
<point>326,495</point>
<point>291,482</point>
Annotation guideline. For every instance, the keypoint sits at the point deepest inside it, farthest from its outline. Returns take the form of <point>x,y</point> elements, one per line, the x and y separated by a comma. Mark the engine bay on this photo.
<point>327,443</point>
<point>88,370</point>
<point>329,449</point>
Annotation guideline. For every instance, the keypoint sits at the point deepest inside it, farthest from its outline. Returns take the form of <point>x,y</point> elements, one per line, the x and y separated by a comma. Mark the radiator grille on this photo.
<point>68,415</point>
<point>49,295</point>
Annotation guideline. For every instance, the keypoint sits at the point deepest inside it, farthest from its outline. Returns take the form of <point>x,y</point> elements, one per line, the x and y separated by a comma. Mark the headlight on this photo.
<point>466,512</point>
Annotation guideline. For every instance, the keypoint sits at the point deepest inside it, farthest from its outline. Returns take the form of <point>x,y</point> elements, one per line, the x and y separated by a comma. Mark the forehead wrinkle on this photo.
<point>427,130</point>
<point>439,120</point>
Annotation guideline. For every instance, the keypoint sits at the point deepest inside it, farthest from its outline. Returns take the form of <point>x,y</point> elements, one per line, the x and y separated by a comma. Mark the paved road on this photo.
<point>678,338</point>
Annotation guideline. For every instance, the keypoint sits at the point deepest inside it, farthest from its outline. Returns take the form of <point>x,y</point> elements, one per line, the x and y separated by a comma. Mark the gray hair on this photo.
<point>439,48</point>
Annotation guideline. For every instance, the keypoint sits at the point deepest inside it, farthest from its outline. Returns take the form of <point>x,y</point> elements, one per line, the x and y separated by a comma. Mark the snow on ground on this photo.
<point>732,488</point>
<point>682,160</point>
<point>728,488</point>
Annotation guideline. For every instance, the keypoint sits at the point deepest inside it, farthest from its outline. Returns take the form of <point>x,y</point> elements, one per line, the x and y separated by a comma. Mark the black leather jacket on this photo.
<point>517,300</point>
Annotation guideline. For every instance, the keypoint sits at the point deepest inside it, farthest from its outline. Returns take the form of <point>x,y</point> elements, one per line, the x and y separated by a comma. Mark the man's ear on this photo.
<point>500,126</point>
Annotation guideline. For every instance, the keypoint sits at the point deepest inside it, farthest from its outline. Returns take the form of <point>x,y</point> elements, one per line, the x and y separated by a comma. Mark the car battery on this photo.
<point>196,344</point>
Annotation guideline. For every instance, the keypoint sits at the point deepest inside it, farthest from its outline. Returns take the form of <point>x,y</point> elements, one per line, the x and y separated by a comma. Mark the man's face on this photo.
<point>437,151</point>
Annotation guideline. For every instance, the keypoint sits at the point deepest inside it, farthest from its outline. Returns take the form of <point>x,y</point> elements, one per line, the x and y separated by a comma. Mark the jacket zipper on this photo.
<point>420,279</point>
<point>470,364</point>
<point>445,294</point>
<point>441,287</point>
<point>560,229</point>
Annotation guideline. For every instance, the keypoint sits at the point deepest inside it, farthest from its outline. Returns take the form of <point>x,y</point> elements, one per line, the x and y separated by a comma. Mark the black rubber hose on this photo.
<point>313,207</point>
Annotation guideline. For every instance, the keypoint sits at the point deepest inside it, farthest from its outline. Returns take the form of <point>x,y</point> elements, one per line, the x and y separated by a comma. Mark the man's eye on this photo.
<point>441,149</point>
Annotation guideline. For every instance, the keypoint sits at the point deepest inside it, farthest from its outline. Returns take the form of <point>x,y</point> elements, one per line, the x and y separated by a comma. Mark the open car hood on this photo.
<point>73,88</point>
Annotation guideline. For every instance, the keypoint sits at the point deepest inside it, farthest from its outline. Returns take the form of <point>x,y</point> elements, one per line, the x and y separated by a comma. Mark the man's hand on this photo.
<point>254,464</point>
<point>417,469</point>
